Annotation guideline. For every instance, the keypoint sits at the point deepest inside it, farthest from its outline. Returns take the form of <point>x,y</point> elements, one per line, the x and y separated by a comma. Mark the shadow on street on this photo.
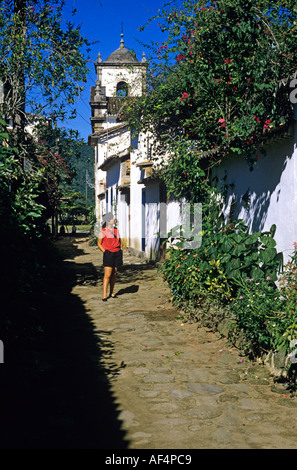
<point>55,392</point>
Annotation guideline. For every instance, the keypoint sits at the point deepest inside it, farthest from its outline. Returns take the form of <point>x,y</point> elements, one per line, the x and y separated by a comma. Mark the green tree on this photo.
<point>43,66</point>
<point>217,79</point>
<point>43,63</point>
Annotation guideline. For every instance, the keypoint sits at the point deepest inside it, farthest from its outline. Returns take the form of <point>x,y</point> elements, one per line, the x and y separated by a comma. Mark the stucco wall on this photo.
<point>111,76</point>
<point>136,208</point>
<point>152,226</point>
<point>271,189</point>
<point>123,218</point>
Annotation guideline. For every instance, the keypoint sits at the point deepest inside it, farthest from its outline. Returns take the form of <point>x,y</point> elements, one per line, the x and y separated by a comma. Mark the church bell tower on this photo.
<point>119,78</point>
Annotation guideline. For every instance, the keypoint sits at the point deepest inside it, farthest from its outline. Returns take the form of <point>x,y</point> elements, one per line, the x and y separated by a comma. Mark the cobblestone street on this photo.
<point>128,374</point>
<point>176,386</point>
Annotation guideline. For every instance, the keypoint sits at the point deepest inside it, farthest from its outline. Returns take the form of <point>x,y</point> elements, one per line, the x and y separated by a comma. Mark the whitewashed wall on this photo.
<point>111,76</point>
<point>152,221</point>
<point>112,180</point>
<point>136,208</point>
<point>123,217</point>
<point>272,187</point>
<point>173,214</point>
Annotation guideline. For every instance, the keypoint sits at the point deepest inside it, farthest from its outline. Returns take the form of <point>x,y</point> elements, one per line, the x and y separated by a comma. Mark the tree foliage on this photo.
<point>219,71</point>
<point>43,66</point>
<point>43,63</point>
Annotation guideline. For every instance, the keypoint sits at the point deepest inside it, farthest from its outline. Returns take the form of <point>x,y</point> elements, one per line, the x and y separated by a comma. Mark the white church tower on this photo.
<point>120,75</point>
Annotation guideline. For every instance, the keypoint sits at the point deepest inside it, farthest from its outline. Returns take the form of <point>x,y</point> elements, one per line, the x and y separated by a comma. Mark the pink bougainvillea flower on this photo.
<point>222,122</point>
<point>184,96</point>
<point>180,57</point>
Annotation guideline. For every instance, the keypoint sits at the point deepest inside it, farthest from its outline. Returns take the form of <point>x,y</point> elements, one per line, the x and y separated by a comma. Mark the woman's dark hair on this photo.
<point>106,218</point>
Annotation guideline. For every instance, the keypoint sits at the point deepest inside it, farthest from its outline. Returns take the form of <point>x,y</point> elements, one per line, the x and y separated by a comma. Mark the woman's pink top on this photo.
<point>111,241</point>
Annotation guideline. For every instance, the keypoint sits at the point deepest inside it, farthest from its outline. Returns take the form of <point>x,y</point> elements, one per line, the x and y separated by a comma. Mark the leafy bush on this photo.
<point>268,315</point>
<point>288,290</point>
<point>226,257</point>
<point>257,309</point>
<point>243,255</point>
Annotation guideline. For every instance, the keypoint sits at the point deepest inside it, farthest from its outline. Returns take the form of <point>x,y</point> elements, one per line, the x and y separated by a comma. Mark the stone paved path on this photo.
<point>175,386</point>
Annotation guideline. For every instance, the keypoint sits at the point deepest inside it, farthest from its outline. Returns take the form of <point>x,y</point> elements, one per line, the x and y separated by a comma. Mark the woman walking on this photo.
<point>110,244</point>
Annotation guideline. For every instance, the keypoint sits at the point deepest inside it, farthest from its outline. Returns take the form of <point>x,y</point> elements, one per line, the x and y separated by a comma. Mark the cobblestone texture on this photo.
<point>128,374</point>
<point>176,386</point>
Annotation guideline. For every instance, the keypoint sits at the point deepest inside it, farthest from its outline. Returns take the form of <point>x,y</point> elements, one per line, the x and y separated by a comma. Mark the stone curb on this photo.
<point>275,361</point>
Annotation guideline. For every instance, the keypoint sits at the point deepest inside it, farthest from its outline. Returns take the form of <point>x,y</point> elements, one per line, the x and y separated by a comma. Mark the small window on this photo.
<point>122,89</point>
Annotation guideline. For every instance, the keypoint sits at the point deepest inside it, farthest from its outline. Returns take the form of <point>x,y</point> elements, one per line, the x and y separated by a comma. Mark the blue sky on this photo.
<point>101,21</point>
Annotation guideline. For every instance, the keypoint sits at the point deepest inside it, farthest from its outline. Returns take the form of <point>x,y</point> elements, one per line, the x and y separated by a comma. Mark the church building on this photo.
<point>124,183</point>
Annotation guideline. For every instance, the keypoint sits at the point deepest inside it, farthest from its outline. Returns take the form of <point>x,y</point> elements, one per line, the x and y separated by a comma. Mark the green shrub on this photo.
<point>266,314</point>
<point>257,308</point>
<point>288,290</point>
<point>226,257</point>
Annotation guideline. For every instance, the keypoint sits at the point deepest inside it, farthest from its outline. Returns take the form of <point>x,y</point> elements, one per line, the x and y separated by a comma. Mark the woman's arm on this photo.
<point>100,239</point>
<point>120,240</point>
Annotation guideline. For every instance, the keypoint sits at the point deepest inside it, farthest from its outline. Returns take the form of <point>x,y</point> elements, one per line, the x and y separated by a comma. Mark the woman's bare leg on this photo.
<point>106,279</point>
<point>113,279</point>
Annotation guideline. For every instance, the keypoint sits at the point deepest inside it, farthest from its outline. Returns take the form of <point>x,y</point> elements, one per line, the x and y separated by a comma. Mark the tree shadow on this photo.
<point>254,191</point>
<point>69,245</point>
<point>55,390</point>
<point>131,273</point>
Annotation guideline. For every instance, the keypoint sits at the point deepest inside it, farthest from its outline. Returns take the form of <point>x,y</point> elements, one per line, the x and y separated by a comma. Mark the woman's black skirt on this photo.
<point>113,259</point>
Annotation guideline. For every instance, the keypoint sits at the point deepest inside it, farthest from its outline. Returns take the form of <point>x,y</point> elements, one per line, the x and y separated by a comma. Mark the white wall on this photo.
<point>152,222</point>
<point>111,76</point>
<point>272,186</point>
<point>135,205</point>
<point>173,214</point>
<point>122,217</point>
